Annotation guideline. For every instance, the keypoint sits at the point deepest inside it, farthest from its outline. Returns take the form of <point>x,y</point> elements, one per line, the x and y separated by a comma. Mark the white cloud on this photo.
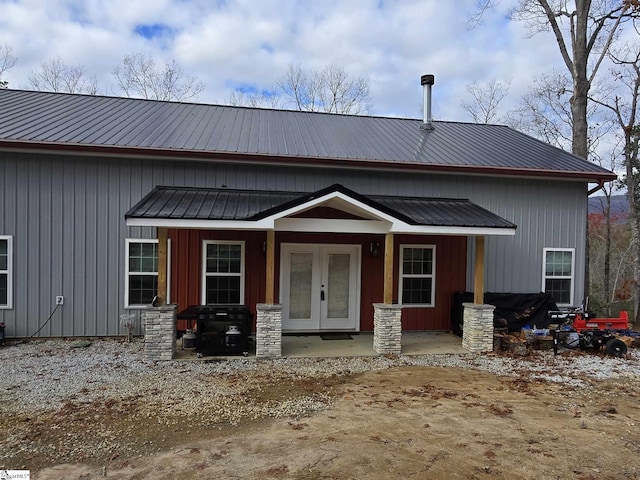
<point>251,42</point>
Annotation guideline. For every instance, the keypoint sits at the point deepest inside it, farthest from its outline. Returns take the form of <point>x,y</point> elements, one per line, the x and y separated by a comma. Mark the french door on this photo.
<point>320,287</point>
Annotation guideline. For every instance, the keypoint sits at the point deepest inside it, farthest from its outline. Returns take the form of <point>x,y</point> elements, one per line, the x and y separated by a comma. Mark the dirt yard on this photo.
<point>401,422</point>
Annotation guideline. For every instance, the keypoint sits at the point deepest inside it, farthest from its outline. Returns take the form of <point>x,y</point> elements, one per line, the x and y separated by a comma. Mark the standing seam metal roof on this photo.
<point>66,120</point>
<point>251,205</point>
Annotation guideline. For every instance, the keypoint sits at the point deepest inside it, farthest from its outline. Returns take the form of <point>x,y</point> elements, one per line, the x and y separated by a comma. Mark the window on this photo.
<point>6,257</point>
<point>223,273</point>
<point>557,276</point>
<point>142,272</point>
<point>417,278</point>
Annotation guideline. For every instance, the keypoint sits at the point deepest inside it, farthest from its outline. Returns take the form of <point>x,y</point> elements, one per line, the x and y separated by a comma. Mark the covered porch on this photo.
<point>275,233</point>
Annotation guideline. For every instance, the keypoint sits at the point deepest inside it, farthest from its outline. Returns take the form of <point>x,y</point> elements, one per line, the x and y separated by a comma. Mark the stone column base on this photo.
<point>387,328</point>
<point>477,334</point>
<point>160,332</point>
<point>268,330</point>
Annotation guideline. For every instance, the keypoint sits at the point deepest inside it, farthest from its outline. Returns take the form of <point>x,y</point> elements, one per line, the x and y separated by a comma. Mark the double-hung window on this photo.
<point>417,275</point>
<point>6,263</point>
<point>142,272</point>
<point>557,274</point>
<point>223,269</point>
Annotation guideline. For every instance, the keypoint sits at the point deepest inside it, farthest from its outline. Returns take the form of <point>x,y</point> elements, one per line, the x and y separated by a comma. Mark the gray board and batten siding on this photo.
<point>66,216</point>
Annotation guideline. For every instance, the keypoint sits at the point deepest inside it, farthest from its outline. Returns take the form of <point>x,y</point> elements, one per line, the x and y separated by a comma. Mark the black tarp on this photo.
<point>517,309</point>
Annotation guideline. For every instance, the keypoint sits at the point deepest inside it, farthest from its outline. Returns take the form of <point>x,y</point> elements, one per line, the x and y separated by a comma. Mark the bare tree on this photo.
<point>263,99</point>
<point>624,102</point>
<point>7,61</point>
<point>486,100</point>
<point>56,76</point>
<point>609,242</point>
<point>589,28</point>
<point>544,111</point>
<point>481,8</point>
<point>139,77</point>
<point>584,31</point>
<point>611,265</point>
<point>329,90</point>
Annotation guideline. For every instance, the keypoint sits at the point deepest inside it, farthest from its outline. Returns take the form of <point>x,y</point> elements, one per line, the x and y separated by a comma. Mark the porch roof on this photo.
<point>222,208</point>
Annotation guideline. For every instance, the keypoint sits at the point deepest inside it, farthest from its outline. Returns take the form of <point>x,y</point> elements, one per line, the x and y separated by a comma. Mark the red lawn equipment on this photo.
<point>580,328</point>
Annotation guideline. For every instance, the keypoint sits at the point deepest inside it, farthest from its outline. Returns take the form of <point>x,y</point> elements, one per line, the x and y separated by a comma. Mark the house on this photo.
<point>107,202</point>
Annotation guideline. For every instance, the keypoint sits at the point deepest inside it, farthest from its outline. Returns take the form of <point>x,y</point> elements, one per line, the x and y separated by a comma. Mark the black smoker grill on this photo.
<point>220,329</point>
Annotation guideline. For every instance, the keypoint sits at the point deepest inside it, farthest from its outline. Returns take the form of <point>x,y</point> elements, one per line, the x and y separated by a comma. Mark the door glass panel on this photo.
<point>300,285</point>
<point>338,285</point>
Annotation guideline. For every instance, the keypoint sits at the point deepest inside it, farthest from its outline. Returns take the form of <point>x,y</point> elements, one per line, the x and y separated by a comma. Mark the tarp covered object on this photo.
<point>517,309</point>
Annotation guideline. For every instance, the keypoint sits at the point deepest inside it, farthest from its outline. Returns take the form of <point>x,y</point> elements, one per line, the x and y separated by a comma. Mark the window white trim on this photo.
<point>432,275</point>
<point>8,272</point>
<point>204,273</point>
<point>573,272</point>
<point>128,242</point>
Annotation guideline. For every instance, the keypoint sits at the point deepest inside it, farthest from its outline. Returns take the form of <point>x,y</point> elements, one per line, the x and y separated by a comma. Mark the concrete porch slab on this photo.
<point>361,345</point>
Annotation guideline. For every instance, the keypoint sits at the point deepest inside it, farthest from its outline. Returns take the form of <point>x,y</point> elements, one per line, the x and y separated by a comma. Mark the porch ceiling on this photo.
<point>221,208</point>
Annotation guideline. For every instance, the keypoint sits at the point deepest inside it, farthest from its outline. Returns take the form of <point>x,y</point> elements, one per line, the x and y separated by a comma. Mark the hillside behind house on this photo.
<point>619,205</point>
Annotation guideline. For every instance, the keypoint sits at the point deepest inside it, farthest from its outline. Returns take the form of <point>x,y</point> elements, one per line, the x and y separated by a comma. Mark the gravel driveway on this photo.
<point>70,401</point>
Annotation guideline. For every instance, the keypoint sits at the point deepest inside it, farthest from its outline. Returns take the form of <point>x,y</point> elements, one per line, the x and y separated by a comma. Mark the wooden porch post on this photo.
<point>271,257</point>
<point>388,269</point>
<point>478,272</point>
<point>163,235</point>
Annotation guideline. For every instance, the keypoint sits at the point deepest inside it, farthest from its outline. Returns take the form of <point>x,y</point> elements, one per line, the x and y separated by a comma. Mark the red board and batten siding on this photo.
<point>186,268</point>
<point>451,266</point>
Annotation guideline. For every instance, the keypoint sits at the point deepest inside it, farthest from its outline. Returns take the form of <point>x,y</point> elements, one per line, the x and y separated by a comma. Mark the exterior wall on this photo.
<point>187,263</point>
<point>451,267</point>
<point>186,266</point>
<point>550,214</point>
<point>66,216</point>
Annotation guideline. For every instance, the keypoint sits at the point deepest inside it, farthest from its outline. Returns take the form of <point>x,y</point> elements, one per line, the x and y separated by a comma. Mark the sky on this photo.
<point>249,44</point>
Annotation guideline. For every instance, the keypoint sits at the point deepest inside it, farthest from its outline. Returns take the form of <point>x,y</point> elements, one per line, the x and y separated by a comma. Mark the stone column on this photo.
<point>387,328</point>
<point>477,334</point>
<point>268,330</point>
<point>160,332</point>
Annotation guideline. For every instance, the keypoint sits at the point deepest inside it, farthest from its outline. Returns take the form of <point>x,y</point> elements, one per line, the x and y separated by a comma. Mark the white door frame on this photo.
<point>319,272</point>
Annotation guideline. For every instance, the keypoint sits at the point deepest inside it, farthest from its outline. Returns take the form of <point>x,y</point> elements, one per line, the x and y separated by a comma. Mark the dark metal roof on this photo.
<point>53,120</point>
<point>165,202</point>
<point>445,212</point>
<point>208,203</point>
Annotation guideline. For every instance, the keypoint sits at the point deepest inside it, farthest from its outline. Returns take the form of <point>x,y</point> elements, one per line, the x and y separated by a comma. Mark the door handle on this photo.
<point>322,295</point>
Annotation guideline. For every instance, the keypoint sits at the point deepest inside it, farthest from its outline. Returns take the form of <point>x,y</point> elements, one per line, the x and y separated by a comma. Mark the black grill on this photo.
<point>220,329</point>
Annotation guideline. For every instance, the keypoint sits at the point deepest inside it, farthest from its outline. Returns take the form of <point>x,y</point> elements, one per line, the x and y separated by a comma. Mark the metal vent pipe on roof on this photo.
<point>427,81</point>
